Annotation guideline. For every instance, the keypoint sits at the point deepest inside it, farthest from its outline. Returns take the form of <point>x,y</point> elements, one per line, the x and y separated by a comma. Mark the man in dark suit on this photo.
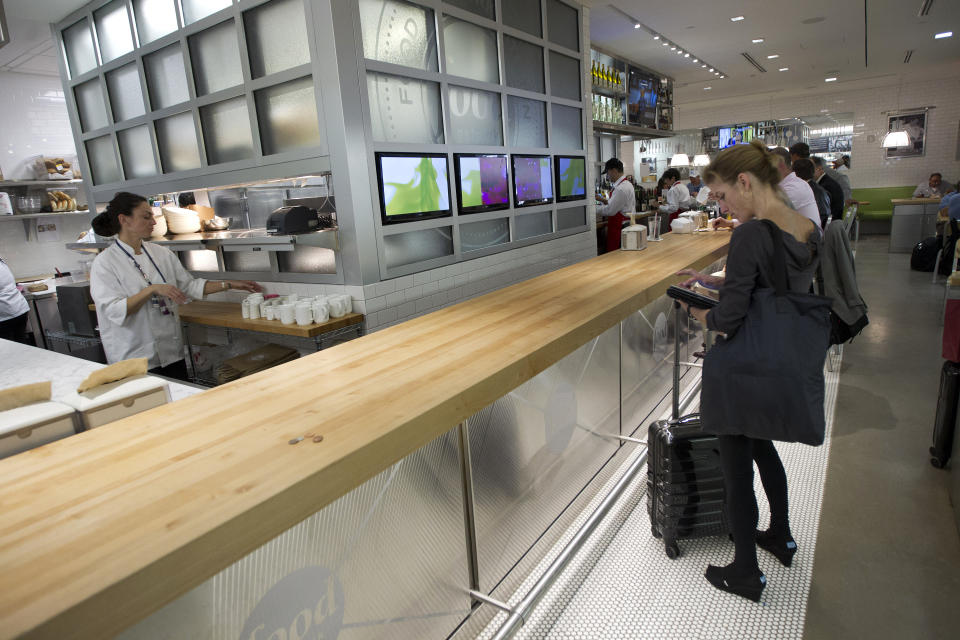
<point>803,167</point>
<point>832,187</point>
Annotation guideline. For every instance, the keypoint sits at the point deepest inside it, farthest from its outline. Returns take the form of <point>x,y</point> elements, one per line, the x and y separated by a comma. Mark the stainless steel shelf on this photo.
<point>631,130</point>
<point>29,216</point>
<point>37,183</point>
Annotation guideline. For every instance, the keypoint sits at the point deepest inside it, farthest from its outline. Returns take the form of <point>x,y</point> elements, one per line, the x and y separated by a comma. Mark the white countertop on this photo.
<point>24,364</point>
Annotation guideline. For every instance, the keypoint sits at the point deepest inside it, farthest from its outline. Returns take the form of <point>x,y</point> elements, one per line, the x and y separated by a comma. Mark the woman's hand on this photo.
<point>169,291</point>
<point>245,285</point>
<point>711,282</point>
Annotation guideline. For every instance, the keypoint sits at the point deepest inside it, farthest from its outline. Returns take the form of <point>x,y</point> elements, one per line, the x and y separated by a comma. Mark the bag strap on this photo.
<point>779,258</point>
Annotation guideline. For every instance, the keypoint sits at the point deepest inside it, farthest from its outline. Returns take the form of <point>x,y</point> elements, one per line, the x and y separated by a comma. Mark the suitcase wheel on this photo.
<point>936,462</point>
<point>672,548</point>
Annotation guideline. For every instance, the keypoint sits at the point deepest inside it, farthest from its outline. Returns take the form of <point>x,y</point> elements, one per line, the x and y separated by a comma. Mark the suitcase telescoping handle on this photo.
<point>678,312</point>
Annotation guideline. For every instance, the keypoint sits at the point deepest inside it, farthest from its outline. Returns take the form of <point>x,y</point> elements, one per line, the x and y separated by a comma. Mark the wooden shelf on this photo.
<point>631,130</point>
<point>607,91</point>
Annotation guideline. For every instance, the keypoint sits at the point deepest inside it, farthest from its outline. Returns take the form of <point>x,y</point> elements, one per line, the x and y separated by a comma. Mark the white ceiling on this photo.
<point>814,39</point>
<point>31,48</point>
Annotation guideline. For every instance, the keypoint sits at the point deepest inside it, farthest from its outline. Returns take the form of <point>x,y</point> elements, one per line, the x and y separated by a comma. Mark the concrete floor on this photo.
<point>887,561</point>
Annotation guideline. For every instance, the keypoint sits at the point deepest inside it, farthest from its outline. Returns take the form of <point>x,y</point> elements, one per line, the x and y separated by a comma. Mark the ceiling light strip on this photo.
<point>687,55</point>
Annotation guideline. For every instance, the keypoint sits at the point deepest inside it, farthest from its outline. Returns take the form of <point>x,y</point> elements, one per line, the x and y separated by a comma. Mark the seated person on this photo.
<point>677,196</point>
<point>950,206</point>
<point>695,185</point>
<point>935,187</point>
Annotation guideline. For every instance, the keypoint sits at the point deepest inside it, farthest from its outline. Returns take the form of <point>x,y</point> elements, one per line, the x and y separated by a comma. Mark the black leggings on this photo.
<point>737,455</point>
<point>15,329</point>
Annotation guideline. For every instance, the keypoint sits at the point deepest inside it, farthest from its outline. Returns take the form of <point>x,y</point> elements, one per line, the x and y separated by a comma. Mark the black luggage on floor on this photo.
<point>685,494</point>
<point>924,256</point>
<point>945,423</point>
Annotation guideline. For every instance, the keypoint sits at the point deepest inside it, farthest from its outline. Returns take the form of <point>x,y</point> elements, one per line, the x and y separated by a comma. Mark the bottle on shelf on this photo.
<point>593,72</point>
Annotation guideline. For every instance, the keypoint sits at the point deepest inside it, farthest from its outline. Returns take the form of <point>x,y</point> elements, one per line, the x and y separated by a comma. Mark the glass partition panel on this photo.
<point>78,42</point>
<point>417,246</point>
<point>523,64</point>
<point>307,260</point>
<point>483,8</point>
<point>276,37</point>
<point>126,96</point>
<point>136,152</point>
<point>470,51</point>
<point>404,109</point>
<point>226,130</point>
<point>399,33</point>
<point>90,103</point>
<point>113,30</point>
<point>562,25</point>
<point>177,139</point>
<point>194,10</point>
<point>533,224</point>
<point>475,116</point>
<point>155,19</point>
<point>571,218</point>
<point>288,116</point>
<point>566,132</point>
<point>527,122</point>
<point>103,160</point>
<point>564,76</point>
<point>523,15</point>
<point>480,235</point>
<point>215,57</point>
<point>166,77</point>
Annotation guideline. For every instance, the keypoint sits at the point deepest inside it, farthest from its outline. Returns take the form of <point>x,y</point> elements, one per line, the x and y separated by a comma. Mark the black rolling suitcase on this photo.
<point>685,494</point>
<point>944,425</point>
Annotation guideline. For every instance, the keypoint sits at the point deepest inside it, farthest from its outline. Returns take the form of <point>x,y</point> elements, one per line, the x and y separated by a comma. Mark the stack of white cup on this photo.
<point>292,308</point>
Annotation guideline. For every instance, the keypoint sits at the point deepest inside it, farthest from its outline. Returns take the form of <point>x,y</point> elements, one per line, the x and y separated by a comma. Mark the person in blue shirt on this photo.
<point>695,185</point>
<point>950,206</point>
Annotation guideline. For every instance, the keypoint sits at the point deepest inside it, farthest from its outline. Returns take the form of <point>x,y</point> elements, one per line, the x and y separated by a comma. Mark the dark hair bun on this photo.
<point>103,225</point>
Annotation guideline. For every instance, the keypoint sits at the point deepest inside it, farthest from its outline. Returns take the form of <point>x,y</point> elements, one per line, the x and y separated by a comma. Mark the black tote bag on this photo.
<point>766,381</point>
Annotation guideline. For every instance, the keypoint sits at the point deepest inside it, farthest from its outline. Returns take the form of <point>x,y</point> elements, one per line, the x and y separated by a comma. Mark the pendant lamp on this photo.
<point>896,138</point>
<point>701,160</point>
<point>680,160</point>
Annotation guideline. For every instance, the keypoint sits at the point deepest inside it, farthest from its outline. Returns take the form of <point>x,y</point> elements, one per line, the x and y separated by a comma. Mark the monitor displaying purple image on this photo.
<point>532,180</point>
<point>481,182</point>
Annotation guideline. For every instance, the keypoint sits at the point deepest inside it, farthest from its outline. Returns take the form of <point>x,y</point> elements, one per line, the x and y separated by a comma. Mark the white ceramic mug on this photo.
<point>287,315</point>
<point>254,311</point>
<point>271,312</point>
<point>245,309</point>
<point>321,312</point>
<point>303,314</point>
<point>338,307</point>
<point>291,298</point>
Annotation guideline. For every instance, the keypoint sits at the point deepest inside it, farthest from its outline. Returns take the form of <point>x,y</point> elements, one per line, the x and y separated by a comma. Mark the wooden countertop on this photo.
<point>228,314</point>
<point>101,529</point>
<point>896,201</point>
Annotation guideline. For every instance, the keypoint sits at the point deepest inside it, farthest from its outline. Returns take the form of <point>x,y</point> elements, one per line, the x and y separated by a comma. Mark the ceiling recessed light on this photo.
<point>736,19</point>
<point>704,66</point>
<point>784,68</point>
<point>829,79</point>
<point>722,77</point>
<point>672,48</point>
<point>711,69</point>
<point>945,34</point>
<point>695,60</point>
<point>636,26</point>
<point>773,56</point>
<point>716,73</point>
<point>757,40</point>
<point>665,43</point>
<point>707,88</point>
<point>656,37</point>
<point>686,55</point>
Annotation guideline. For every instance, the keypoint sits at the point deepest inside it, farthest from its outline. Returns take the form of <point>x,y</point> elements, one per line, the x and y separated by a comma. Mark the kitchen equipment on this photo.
<point>217,223</point>
<point>634,238</point>
<point>160,228</point>
<point>110,402</point>
<point>33,425</point>
<point>181,220</point>
<point>73,302</point>
<point>291,220</point>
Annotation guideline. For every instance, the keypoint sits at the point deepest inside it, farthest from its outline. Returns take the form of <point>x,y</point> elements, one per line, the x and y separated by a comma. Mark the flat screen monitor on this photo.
<point>413,186</point>
<point>532,180</point>
<point>642,99</point>
<point>571,178</point>
<point>481,182</point>
<point>730,136</point>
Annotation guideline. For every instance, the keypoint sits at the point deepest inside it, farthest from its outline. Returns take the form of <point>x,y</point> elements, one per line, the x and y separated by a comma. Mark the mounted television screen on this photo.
<point>412,186</point>
<point>571,178</point>
<point>532,180</point>
<point>481,182</point>
<point>642,99</point>
<point>730,136</point>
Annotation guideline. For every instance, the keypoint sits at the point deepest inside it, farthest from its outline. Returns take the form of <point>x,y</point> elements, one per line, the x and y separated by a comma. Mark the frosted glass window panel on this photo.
<point>226,131</point>
<point>470,51</point>
<point>155,19</point>
<point>475,117</point>
<point>571,218</point>
<point>480,235</point>
<point>523,15</point>
<point>288,116</point>
<point>78,42</point>
<point>276,37</point>
<point>247,261</point>
<point>194,10</point>
<point>563,27</point>
<point>404,109</point>
<point>166,77</point>
<point>136,152</point>
<point>527,122</point>
<point>215,56</point>
<point>399,33</point>
<point>567,128</point>
<point>564,76</point>
<point>103,160</point>
<point>126,95</point>
<point>305,259</point>
<point>177,139</point>
<point>483,8</point>
<point>534,224</point>
<point>523,64</point>
<point>90,103</point>
<point>113,30</point>
<point>416,246</point>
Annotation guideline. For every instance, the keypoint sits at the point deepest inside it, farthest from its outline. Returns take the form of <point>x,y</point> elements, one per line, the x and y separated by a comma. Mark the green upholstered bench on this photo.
<point>875,217</point>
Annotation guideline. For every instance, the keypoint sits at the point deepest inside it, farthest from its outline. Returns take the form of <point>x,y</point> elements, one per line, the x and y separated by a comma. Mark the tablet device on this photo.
<point>691,298</point>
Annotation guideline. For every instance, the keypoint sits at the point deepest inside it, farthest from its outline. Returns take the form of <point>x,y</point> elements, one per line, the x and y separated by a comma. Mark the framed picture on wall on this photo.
<point>915,124</point>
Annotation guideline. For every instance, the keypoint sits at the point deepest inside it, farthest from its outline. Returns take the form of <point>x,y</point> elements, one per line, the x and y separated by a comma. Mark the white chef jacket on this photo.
<point>802,198</point>
<point>148,333</point>
<point>12,302</point>
<point>677,196</point>
<point>622,199</point>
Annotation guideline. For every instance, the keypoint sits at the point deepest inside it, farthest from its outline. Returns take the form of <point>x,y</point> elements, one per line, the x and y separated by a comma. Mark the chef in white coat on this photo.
<point>676,193</point>
<point>137,286</point>
<point>13,307</point>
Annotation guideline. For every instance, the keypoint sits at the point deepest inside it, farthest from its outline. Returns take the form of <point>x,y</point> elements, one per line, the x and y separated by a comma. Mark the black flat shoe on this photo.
<point>783,549</point>
<point>724,578</point>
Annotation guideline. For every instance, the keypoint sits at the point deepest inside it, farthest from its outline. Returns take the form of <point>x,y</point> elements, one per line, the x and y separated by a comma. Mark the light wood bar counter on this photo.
<point>99,530</point>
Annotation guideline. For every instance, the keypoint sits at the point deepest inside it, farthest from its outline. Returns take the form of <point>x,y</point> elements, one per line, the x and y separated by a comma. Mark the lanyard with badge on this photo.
<point>157,302</point>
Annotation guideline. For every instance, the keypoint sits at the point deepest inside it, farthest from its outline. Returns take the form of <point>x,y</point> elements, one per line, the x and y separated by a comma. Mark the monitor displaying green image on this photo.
<point>412,186</point>
<point>571,178</point>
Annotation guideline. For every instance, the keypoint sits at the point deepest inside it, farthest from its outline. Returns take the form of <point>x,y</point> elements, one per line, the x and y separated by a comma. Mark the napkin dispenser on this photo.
<point>634,237</point>
<point>290,220</point>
